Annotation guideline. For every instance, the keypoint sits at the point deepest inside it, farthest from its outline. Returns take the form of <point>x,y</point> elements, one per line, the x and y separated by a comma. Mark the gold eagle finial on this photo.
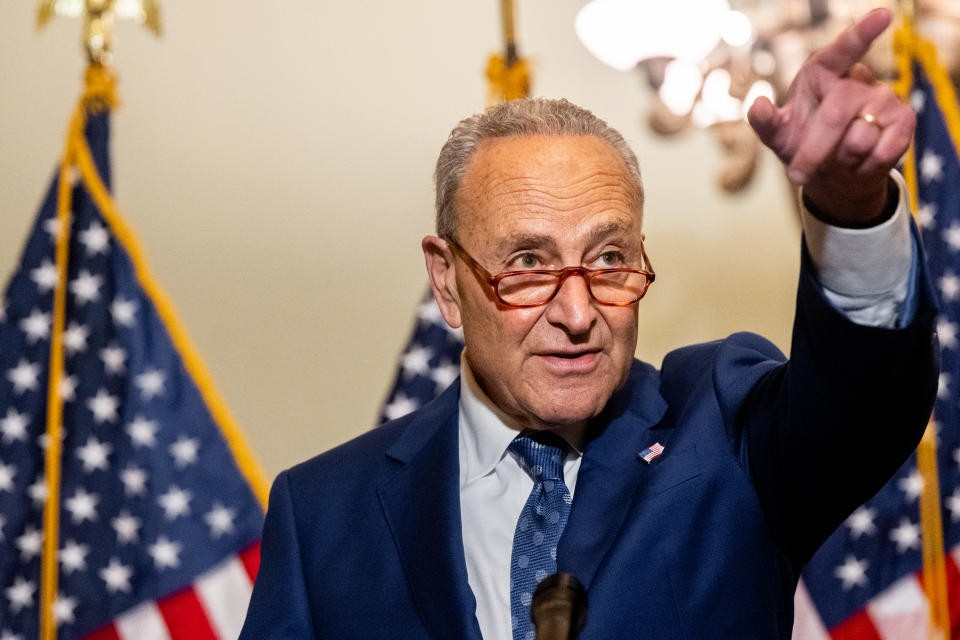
<point>98,17</point>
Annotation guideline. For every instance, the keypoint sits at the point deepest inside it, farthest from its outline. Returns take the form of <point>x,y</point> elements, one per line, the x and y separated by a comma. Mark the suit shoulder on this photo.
<point>742,341</point>
<point>368,454</point>
<point>720,362</point>
<point>354,456</point>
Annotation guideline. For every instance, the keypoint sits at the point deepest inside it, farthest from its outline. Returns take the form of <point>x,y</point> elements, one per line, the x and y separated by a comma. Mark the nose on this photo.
<point>573,308</point>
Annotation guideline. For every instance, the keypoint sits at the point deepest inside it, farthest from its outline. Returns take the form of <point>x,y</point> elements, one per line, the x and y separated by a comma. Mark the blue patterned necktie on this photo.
<point>541,522</point>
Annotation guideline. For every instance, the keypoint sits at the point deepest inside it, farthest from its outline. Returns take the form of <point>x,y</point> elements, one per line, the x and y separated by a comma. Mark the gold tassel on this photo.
<point>99,91</point>
<point>507,82</point>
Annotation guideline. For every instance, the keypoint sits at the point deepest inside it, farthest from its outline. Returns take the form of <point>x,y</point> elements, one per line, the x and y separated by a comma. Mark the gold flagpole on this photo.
<point>99,94</point>
<point>509,31</point>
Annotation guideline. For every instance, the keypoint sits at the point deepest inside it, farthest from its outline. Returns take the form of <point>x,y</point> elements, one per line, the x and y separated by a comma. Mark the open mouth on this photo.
<point>571,355</point>
<point>571,361</point>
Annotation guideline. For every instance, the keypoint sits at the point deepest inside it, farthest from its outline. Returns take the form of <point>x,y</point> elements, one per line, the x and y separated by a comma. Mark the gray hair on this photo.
<point>527,117</point>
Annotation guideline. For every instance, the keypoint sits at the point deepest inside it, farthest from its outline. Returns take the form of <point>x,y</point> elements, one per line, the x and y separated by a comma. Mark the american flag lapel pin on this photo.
<point>651,452</point>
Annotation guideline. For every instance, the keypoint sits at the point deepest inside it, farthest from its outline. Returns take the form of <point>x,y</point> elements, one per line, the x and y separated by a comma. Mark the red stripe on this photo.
<point>250,557</point>
<point>953,595</point>
<point>185,617</point>
<point>108,632</point>
<point>856,627</point>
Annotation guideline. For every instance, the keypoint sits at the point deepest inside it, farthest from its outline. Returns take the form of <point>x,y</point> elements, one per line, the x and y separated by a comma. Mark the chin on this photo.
<point>565,411</point>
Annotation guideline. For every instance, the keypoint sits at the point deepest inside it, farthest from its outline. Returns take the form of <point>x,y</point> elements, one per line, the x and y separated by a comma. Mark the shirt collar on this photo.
<point>485,430</point>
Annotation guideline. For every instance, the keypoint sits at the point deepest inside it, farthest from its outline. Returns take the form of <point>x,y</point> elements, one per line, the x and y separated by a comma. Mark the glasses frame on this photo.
<point>560,274</point>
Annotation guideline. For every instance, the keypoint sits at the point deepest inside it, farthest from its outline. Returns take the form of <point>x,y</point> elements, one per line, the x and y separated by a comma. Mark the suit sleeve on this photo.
<point>823,432</point>
<point>278,607</point>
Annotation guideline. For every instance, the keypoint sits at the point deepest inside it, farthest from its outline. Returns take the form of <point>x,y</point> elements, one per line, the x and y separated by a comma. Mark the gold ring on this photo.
<point>869,118</point>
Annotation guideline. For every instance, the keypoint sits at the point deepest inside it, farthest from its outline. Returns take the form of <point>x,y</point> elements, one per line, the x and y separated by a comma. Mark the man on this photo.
<point>687,499</point>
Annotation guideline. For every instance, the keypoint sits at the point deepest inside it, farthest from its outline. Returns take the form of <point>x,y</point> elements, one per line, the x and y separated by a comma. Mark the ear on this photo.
<point>443,278</point>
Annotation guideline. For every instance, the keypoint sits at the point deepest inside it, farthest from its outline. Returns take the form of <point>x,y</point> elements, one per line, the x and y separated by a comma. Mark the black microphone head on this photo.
<point>559,607</point>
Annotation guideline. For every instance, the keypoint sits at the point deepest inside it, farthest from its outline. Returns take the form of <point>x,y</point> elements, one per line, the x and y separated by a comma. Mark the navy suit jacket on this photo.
<point>763,459</point>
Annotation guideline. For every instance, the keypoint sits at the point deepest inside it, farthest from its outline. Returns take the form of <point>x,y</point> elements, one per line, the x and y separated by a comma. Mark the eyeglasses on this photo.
<point>536,287</point>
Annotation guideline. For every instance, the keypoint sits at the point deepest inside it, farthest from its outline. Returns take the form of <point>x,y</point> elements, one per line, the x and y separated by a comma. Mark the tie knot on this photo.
<point>541,454</point>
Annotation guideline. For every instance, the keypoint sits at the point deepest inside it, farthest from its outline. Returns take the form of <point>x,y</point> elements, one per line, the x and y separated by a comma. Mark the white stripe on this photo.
<point>225,594</point>
<point>143,622</point>
<point>900,611</point>
<point>807,624</point>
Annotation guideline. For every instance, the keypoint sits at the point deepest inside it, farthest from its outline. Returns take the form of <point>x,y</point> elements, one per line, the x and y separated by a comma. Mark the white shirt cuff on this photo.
<point>864,272</point>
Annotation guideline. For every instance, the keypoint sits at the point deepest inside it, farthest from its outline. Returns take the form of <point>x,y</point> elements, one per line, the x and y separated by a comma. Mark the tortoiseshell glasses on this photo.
<point>536,287</point>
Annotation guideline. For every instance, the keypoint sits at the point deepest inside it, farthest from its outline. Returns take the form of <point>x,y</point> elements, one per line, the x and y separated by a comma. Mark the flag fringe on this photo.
<point>54,426</point>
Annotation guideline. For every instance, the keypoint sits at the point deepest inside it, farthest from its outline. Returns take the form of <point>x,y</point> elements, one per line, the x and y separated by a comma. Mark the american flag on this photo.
<point>649,454</point>
<point>430,362</point>
<point>866,581</point>
<point>159,527</point>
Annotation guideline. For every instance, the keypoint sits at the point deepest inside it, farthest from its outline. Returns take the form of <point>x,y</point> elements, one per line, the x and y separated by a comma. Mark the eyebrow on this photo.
<point>608,229</point>
<point>517,240</point>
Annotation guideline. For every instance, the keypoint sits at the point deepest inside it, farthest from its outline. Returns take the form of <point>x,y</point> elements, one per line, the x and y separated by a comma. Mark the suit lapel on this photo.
<point>421,502</point>
<point>610,473</point>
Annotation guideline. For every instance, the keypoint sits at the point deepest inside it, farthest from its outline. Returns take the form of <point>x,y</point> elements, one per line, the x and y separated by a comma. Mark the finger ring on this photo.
<point>869,118</point>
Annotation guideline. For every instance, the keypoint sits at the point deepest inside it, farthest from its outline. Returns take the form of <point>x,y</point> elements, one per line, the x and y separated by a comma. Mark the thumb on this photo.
<point>763,116</point>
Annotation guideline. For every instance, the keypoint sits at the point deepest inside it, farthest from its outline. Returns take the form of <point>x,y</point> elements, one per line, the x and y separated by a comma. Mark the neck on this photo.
<point>574,433</point>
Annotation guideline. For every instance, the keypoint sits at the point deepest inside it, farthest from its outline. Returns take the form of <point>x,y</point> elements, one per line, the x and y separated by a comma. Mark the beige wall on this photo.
<point>275,159</point>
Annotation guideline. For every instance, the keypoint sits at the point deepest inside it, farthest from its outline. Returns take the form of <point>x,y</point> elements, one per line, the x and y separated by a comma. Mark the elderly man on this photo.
<point>686,499</point>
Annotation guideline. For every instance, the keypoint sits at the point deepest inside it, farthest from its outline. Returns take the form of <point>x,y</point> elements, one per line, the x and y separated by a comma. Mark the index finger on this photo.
<point>852,44</point>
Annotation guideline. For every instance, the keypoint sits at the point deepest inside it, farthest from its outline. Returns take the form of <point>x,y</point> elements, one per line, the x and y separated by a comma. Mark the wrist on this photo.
<point>853,211</point>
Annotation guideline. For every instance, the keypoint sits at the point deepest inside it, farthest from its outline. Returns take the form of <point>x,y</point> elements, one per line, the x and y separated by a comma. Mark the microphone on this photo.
<point>559,607</point>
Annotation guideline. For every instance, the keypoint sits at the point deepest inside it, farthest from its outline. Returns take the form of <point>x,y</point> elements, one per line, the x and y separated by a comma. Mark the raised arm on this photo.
<point>840,132</point>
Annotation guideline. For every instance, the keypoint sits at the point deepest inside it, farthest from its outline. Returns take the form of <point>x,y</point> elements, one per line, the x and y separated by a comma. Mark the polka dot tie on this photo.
<point>541,522</point>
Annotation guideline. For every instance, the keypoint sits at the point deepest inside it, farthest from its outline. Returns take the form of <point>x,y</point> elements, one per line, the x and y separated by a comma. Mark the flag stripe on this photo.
<point>224,594</point>
<point>185,617</point>
<point>109,632</point>
<point>856,627</point>
<point>143,622</point>
<point>808,625</point>
<point>250,557</point>
<point>901,610</point>
<point>953,588</point>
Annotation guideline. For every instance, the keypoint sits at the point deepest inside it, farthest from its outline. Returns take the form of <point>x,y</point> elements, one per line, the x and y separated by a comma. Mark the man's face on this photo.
<point>546,203</point>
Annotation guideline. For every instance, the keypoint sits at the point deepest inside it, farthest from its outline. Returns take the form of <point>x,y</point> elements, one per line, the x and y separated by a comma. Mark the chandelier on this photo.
<point>706,61</point>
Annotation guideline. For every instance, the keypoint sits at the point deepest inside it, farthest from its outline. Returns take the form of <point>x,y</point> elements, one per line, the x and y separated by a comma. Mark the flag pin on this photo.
<point>651,452</point>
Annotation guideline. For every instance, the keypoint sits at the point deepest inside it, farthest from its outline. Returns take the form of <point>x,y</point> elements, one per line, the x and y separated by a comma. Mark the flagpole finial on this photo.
<point>98,18</point>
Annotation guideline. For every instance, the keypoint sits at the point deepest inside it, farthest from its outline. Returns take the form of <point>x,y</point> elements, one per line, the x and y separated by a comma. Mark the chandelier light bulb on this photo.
<point>621,33</point>
<point>736,30</point>
<point>716,96</point>
<point>681,84</point>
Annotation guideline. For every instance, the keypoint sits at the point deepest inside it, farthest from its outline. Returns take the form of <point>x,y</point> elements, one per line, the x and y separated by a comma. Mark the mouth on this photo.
<point>580,361</point>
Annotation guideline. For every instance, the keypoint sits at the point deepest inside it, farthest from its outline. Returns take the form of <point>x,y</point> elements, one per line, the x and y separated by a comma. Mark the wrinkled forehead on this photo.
<point>551,185</point>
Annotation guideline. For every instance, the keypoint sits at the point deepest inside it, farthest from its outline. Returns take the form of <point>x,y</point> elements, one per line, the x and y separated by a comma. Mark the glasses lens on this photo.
<point>527,288</point>
<point>618,287</point>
